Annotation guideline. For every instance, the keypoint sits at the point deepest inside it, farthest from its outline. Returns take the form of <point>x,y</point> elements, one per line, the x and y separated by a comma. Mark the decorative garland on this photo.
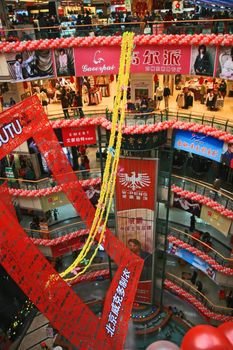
<point>145,129</point>
<point>51,190</point>
<point>203,200</point>
<point>59,240</point>
<point>90,276</point>
<point>110,171</point>
<point>179,243</point>
<point>162,39</point>
<point>195,302</point>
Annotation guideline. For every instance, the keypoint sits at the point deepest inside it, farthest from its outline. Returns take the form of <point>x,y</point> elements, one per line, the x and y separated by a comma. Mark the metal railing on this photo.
<point>219,196</point>
<point>218,309</point>
<point>198,243</point>
<point>69,29</point>
<point>19,183</point>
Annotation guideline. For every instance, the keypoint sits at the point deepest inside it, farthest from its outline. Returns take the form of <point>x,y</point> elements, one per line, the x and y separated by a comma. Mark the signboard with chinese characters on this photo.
<point>9,172</point>
<point>143,141</point>
<point>79,136</point>
<point>201,144</point>
<point>161,59</point>
<point>135,200</point>
<point>218,221</point>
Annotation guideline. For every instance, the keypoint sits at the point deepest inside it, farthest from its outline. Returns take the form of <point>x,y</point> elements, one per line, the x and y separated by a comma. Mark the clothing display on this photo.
<point>95,97</point>
<point>180,100</point>
<point>159,93</point>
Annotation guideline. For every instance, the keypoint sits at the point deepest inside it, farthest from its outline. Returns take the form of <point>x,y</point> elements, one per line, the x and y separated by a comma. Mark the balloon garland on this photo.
<point>179,243</point>
<point>195,302</point>
<point>203,200</point>
<point>146,129</point>
<point>162,39</point>
<point>109,177</point>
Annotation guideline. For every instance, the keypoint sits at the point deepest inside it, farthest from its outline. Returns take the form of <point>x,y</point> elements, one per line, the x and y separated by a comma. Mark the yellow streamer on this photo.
<point>109,178</point>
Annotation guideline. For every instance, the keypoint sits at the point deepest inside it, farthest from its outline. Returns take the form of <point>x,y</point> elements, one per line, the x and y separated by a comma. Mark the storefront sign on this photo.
<point>79,136</point>
<point>161,59</point>
<point>192,259</point>
<point>9,173</point>
<point>143,141</point>
<point>135,200</point>
<point>96,60</point>
<point>201,144</point>
<point>218,221</point>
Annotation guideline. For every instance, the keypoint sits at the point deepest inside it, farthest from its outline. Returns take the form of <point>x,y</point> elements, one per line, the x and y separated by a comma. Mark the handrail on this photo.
<point>202,243</point>
<point>194,21</point>
<point>195,291</point>
<point>200,184</point>
<point>55,229</point>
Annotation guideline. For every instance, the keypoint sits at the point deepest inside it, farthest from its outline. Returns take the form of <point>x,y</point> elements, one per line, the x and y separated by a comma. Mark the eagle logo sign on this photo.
<point>134,182</point>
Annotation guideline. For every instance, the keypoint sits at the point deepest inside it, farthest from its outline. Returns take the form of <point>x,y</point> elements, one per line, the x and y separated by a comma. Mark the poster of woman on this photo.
<point>64,60</point>
<point>202,60</point>
<point>225,63</point>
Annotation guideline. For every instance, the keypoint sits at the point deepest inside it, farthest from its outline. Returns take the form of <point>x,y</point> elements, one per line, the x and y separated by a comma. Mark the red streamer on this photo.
<point>69,315</point>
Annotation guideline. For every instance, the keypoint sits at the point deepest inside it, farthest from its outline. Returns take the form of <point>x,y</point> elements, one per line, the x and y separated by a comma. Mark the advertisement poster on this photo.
<point>187,205</point>
<point>161,59</point>
<point>227,154</point>
<point>203,60</point>
<point>136,187</point>
<point>197,143</point>
<point>192,259</point>
<point>30,65</point>
<point>218,221</point>
<point>224,68</point>
<point>64,62</point>
<point>96,60</point>
<point>85,135</point>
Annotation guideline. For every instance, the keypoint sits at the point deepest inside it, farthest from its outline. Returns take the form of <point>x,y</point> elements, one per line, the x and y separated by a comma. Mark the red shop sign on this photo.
<point>79,136</point>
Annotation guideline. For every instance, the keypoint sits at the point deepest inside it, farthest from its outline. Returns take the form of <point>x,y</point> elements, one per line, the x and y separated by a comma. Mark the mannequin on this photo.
<point>159,96</point>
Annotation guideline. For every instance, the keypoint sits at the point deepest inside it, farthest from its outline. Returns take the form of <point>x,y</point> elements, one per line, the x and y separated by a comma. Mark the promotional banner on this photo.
<point>29,268</point>
<point>136,187</point>
<point>96,60</point>
<point>197,143</point>
<point>30,65</point>
<point>192,259</point>
<point>186,204</point>
<point>203,60</point>
<point>161,59</point>
<point>143,141</point>
<point>84,135</point>
<point>218,221</point>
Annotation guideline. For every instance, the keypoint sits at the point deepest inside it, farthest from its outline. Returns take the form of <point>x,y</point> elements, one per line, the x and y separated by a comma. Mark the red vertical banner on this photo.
<point>135,200</point>
<point>31,271</point>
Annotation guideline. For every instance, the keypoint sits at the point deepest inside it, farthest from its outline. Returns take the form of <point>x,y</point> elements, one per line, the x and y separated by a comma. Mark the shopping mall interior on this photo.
<point>116,174</point>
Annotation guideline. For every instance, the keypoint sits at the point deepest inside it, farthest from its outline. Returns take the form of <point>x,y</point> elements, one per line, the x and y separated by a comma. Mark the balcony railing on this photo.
<point>218,309</point>
<point>69,29</point>
<point>205,247</point>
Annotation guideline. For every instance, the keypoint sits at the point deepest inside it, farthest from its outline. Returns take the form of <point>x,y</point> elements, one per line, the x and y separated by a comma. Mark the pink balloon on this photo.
<point>163,345</point>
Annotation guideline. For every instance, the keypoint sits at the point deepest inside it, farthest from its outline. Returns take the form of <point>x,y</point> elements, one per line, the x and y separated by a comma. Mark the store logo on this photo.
<point>198,138</point>
<point>134,182</point>
<point>98,60</point>
<point>9,131</point>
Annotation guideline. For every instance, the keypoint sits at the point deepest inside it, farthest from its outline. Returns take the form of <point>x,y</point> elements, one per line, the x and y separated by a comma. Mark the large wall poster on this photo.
<point>30,65</point>
<point>203,60</point>
<point>224,67</point>
<point>64,62</point>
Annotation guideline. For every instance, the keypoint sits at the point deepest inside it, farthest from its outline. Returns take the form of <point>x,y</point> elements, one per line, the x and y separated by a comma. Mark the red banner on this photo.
<point>143,294</point>
<point>146,58</point>
<point>31,271</point>
<point>84,135</point>
<point>135,200</point>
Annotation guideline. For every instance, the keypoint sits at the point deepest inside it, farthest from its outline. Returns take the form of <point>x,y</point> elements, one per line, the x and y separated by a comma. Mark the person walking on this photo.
<point>192,222</point>
<point>203,91</point>
<point>65,105</point>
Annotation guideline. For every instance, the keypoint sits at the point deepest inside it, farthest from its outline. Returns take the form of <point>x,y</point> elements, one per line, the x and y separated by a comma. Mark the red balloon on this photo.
<point>227,329</point>
<point>205,337</point>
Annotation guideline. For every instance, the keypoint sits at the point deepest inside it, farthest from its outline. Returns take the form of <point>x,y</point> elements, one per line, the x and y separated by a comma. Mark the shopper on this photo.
<point>65,104</point>
<point>203,91</point>
<point>85,166</point>
<point>223,88</point>
<point>44,100</point>
<point>194,277</point>
<point>78,104</point>
<point>199,286</point>
<point>192,222</point>
<point>166,94</point>
<point>12,102</point>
